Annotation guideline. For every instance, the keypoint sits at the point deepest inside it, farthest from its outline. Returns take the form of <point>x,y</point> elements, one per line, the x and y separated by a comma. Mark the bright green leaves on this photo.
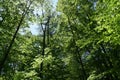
<point>93,75</point>
<point>91,24</point>
<point>37,61</point>
<point>83,42</point>
<point>31,75</point>
<point>108,22</point>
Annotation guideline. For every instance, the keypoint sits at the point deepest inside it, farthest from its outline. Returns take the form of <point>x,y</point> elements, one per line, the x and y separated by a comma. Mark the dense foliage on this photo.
<point>78,40</point>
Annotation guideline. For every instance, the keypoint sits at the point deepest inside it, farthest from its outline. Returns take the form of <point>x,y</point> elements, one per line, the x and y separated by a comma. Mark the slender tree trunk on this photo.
<point>77,51</point>
<point>48,35</point>
<point>10,46</point>
<point>81,63</point>
<point>43,52</point>
<point>2,62</point>
<point>46,29</point>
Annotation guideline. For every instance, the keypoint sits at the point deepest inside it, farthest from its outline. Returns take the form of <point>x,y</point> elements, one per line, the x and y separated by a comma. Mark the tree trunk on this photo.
<point>43,52</point>
<point>2,62</point>
<point>81,63</point>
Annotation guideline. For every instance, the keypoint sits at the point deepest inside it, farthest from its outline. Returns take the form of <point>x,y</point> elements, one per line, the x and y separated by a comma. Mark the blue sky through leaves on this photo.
<point>34,27</point>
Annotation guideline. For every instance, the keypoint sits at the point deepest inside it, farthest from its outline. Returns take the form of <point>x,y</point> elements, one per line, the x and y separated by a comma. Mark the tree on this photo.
<point>79,40</point>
